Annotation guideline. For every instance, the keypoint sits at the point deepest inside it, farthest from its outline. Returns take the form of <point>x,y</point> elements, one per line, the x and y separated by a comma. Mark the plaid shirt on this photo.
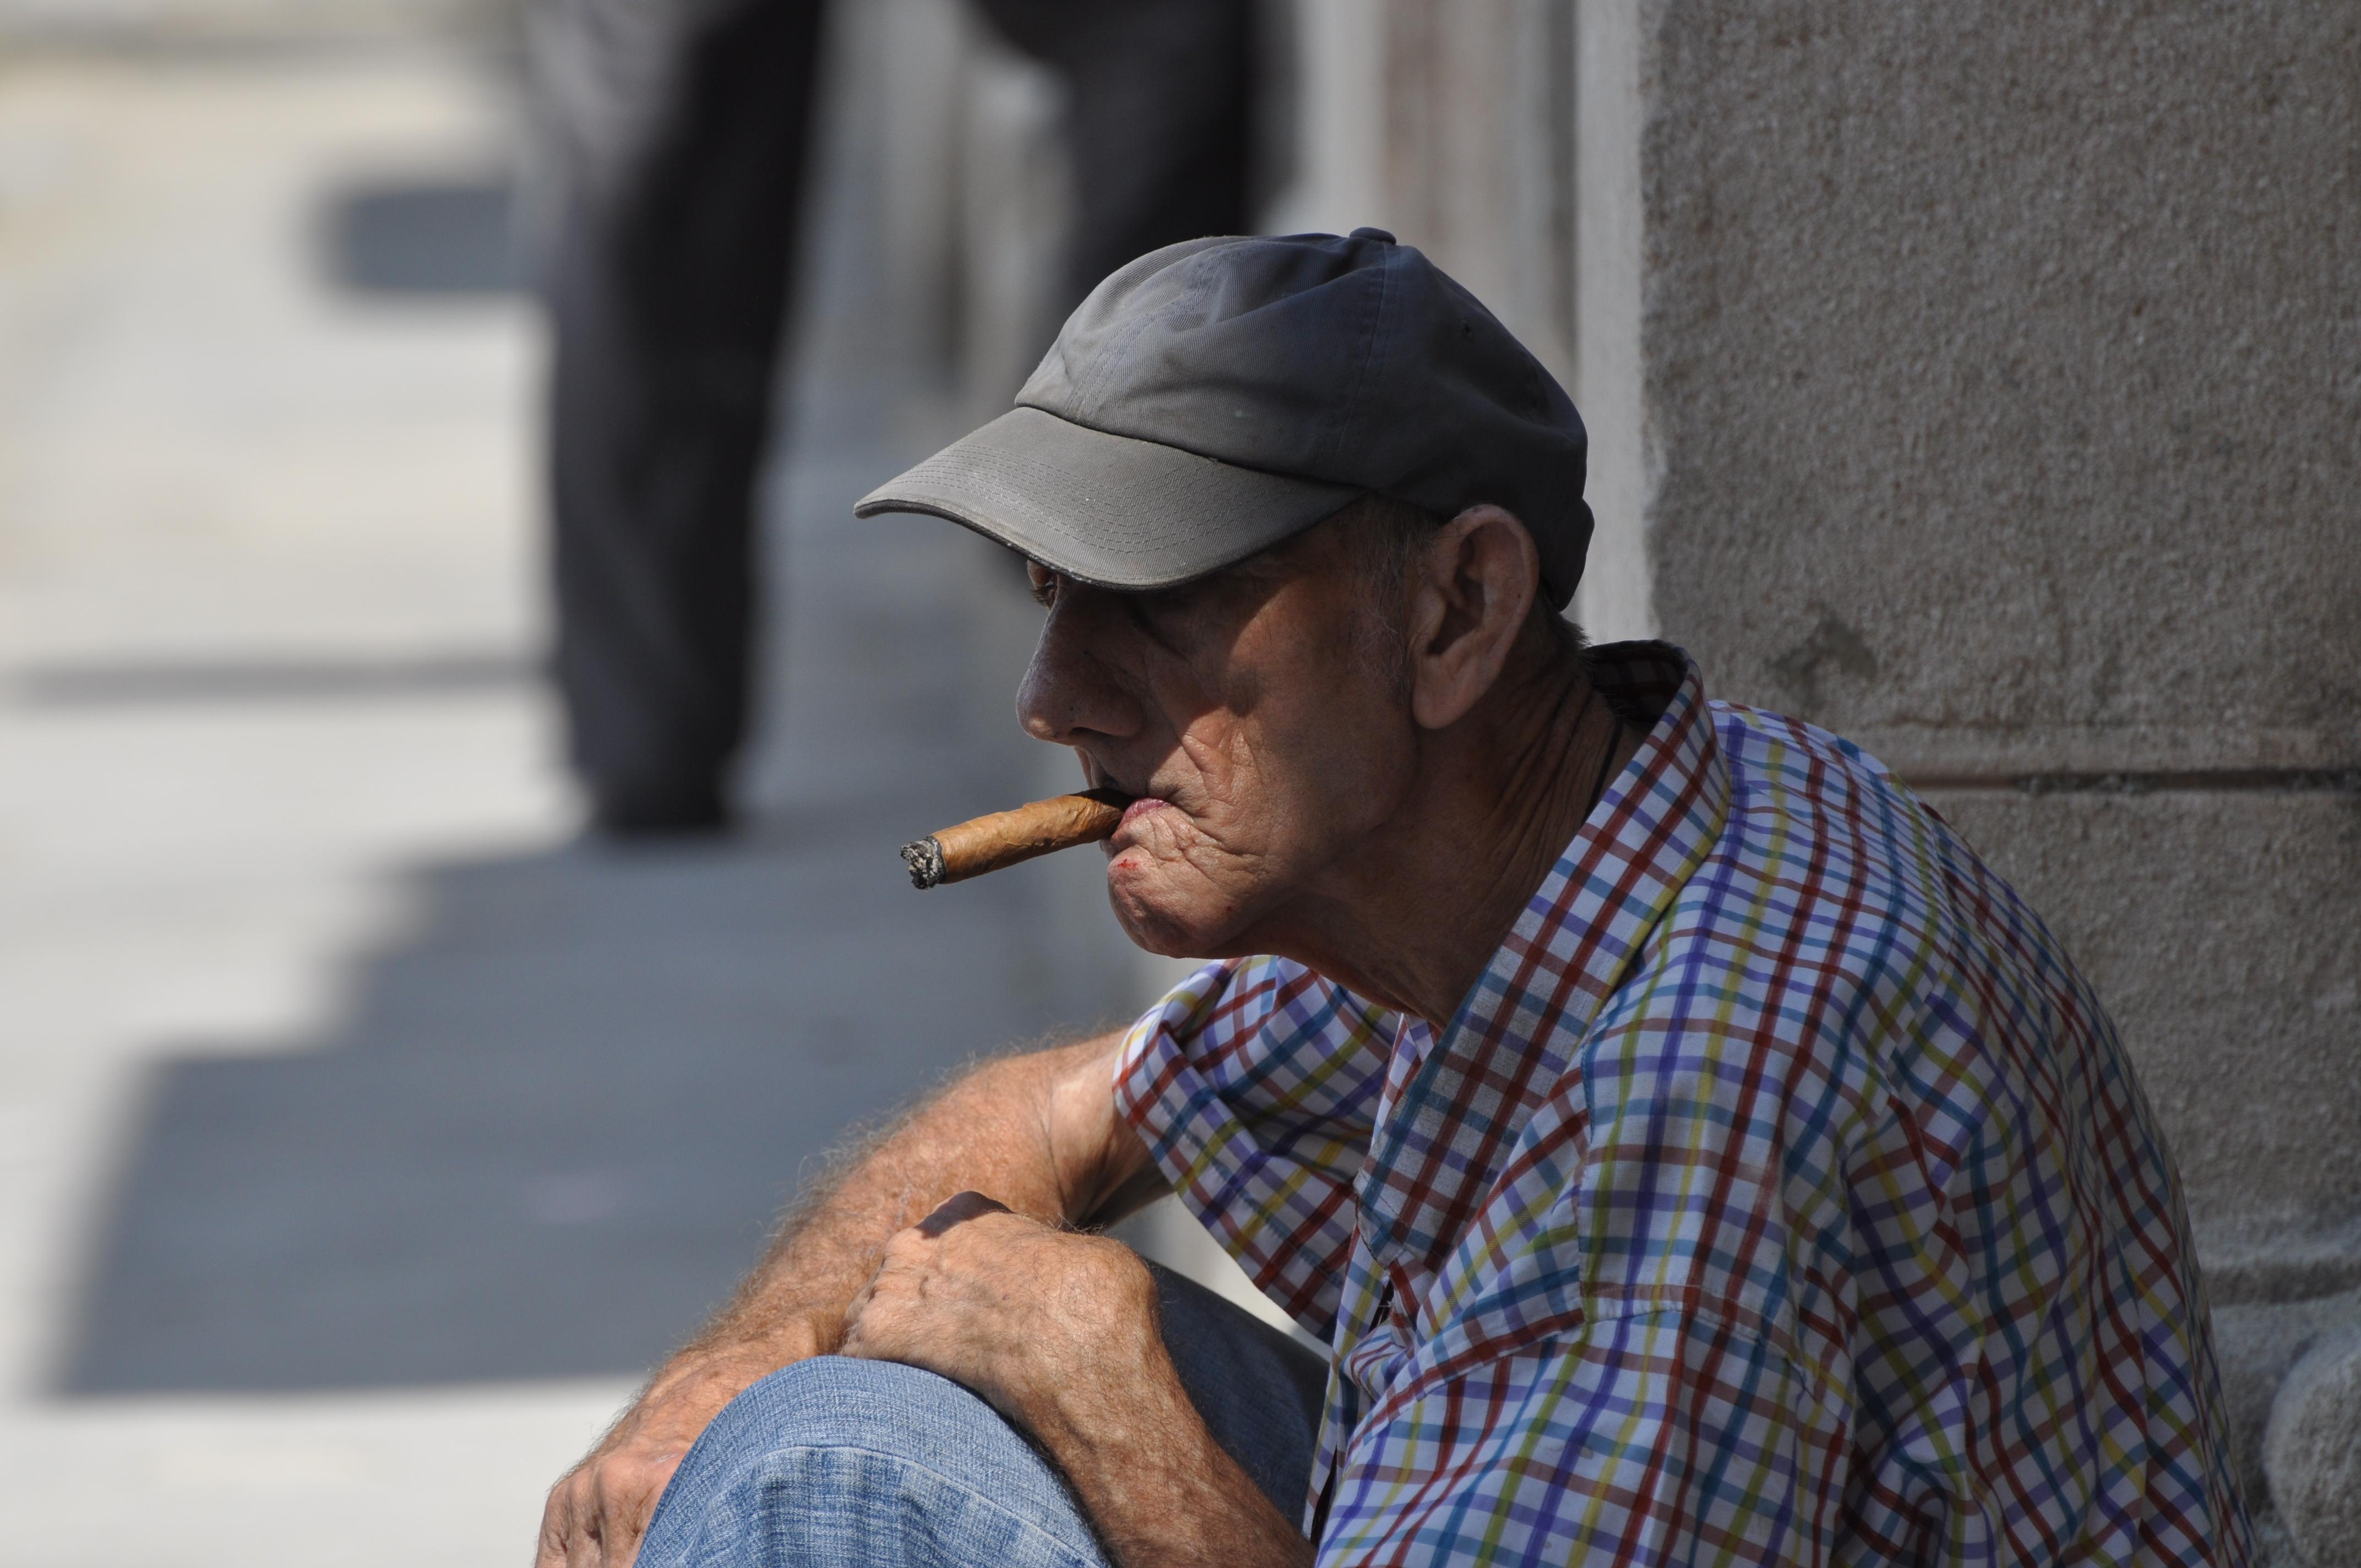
<point>1780,1194</point>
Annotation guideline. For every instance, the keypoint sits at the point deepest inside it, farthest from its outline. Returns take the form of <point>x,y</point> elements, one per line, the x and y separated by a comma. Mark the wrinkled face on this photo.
<point>1259,715</point>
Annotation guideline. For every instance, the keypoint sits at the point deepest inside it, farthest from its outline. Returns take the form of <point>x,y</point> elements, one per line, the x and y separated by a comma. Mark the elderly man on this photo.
<point>1686,1149</point>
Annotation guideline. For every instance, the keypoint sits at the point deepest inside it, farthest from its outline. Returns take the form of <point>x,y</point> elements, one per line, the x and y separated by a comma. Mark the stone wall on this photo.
<point>2003,377</point>
<point>1985,385</point>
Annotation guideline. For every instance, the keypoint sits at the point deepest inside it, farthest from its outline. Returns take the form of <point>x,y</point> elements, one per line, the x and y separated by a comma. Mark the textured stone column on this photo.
<point>1477,154</point>
<point>1988,389</point>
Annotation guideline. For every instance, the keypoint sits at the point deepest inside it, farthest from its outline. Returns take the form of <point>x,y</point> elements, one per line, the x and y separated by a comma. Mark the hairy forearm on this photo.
<point>1038,1131</point>
<point>1161,1492</point>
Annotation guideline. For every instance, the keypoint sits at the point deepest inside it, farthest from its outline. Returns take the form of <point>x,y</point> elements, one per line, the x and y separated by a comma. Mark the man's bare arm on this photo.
<point>1040,1131</point>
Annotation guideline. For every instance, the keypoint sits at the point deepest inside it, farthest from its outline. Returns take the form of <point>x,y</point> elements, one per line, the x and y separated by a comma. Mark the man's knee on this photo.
<point>835,1401</point>
<point>835,1461</point>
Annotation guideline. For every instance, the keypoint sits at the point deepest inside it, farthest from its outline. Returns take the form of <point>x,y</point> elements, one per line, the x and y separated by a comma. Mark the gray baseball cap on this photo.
<point>1214,398</point>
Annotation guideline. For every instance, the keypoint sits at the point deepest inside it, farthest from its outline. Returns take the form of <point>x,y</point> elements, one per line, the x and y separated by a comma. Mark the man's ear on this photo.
<point>1471,592</point>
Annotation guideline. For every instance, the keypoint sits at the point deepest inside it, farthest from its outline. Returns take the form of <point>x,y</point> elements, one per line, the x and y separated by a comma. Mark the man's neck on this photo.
<point>1411,917</point>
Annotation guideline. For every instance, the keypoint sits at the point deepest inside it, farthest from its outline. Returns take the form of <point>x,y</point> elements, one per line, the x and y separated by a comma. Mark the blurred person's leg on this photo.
<point>670,148</point>
<point>843,1464</point>
<point>1161,93</point>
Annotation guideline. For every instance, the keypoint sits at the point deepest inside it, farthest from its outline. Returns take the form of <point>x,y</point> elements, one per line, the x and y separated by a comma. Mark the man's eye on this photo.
<point>1044,584</point>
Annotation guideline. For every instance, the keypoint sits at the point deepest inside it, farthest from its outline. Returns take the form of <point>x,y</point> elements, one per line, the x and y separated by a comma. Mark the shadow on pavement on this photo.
<point>560,1122</point>
<point>570,1097</point>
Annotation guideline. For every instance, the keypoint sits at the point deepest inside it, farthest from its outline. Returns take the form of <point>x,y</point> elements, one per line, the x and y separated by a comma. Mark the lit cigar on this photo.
<point>1004,838</point>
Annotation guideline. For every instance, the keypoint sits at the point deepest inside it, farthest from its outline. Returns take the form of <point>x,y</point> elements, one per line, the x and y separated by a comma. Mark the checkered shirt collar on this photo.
<point>1453,1105</point>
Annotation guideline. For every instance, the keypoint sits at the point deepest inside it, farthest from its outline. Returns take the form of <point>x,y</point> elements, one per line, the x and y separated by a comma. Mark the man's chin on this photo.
<point>1171,926</point>
<point>1152,932</point>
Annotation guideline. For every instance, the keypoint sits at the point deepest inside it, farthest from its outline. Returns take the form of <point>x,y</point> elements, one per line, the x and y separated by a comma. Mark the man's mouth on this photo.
<point>1139,808</point>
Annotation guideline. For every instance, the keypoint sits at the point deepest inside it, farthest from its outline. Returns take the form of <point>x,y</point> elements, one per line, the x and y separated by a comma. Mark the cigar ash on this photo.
<point>925,859</point>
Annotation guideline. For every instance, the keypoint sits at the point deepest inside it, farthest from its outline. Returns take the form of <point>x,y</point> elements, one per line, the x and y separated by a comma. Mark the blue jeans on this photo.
<point>835,1462</point>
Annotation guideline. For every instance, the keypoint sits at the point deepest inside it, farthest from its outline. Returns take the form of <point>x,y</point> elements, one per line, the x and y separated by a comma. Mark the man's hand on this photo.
<point>1040,1321</point>
<point>1059,1332</point>
<point>598,1511</point>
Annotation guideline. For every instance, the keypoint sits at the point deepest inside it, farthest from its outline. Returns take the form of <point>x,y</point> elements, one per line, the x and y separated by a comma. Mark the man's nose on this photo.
<point>1070,694</point>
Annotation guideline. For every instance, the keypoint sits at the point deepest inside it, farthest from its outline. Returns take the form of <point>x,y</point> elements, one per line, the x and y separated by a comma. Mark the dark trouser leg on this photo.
<point>1161,133</point>
<point>841,1463</point>
<point>1261,1392</point>
<point>670,148</point>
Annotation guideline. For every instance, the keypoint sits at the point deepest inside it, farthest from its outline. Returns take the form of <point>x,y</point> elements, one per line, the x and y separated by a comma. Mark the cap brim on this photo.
<point>1105,509</point>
